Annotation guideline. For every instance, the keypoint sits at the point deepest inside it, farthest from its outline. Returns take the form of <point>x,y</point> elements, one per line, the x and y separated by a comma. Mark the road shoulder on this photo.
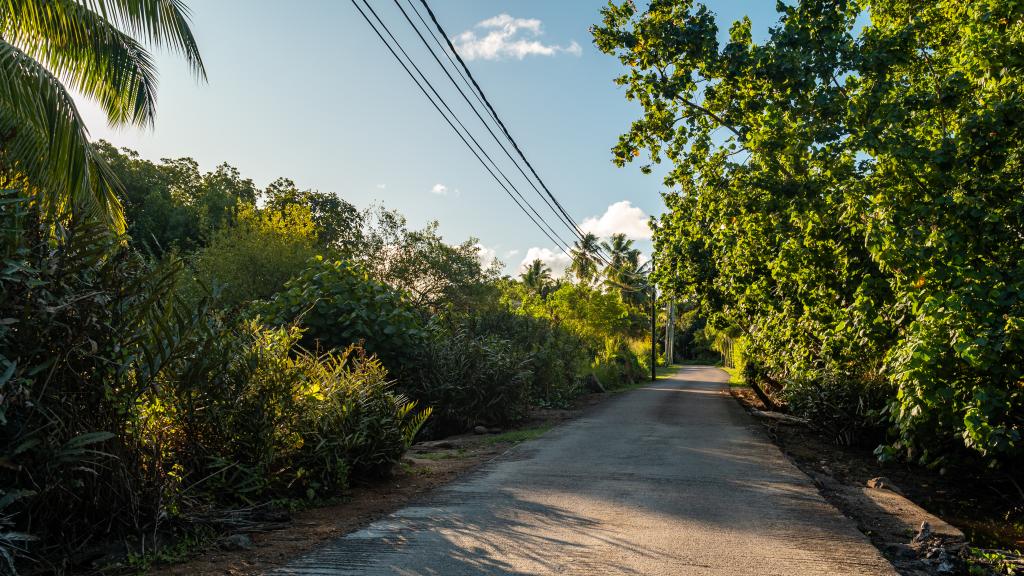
<point>280,535</point>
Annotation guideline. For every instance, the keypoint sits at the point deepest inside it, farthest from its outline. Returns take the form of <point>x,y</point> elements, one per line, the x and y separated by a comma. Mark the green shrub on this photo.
<point>616,364</point>
<point>556,356</point>
<point>125,406</point>
<point>85,327</point>
<point>640,348</point>
<point>255,416</point>
<point>469,380</point>
<point>852,412</point>
<point>338,305</point>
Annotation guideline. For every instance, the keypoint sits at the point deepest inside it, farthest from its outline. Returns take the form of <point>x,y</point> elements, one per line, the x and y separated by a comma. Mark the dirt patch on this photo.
<point>425,467</point>
<point>987,510</point>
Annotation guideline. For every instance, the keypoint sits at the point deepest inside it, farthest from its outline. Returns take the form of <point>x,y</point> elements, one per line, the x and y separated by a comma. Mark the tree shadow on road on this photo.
<point>475,533</point>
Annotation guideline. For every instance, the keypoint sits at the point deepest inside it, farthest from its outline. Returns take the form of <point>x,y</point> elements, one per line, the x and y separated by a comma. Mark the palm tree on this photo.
<point>91,46</point>
<point>585,256</point>
<point>537,277</point>
<point>624,272</point>
<point>620,253</point>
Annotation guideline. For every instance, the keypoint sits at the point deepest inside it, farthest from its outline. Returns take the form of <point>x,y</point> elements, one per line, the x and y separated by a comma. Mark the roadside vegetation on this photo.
<point>180,349</point>
<point>845,212</point>
<point>845,208</point>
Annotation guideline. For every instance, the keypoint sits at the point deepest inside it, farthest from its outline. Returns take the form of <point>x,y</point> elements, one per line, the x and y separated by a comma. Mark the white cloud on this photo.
<point>442,190</point>
<point>511,253</point>
<point>620,218</point>
<point>381,186</point>
<point>557,261</point>
<point>485,255</point>
<point>508,37</point>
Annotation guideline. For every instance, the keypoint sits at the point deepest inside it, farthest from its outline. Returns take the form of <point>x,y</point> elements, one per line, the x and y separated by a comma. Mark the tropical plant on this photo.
<point>12,542</point>
<point>87,326</point>
<point>854,228</point>
<point>127,406</point>
<point>337,304</point>
<point>47,47</point>
<point>254,258</point>
<point>617,365</point>
<point>468,379</point>
<point>537,277</point>
<point>623,272</point>
<point>586,258</point>
<point>557,356</point>
<point>254,415</point>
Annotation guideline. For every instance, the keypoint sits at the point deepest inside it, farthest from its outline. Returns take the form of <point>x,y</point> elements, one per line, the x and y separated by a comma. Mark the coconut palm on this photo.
<point>624,272</point>
<point>94,47</point>
<point>586,253</point>
<point>537,277</point>
<point>621,255</point>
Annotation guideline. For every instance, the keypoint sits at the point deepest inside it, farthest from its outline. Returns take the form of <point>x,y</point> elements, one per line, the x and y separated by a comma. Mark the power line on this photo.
<point>445,52</point>
<point>452,125</point>
<point>456,118</point>
<point>608,265</point>
<point>480,99</point>
<point>565,215</point>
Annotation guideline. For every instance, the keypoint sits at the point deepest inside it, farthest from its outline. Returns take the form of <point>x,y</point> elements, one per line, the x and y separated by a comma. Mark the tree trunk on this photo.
<point>768,402</point>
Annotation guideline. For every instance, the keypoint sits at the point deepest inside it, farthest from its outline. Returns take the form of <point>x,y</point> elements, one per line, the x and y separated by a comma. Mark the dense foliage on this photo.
<point>472,379</point>
<point>124,403</point>
<point>239,346</point>
<point>337,304</point>
<point>846,195</point>
<point>181,350</point>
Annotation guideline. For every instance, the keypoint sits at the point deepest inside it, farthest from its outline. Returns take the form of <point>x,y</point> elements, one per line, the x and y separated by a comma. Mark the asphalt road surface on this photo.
<point>670,479</point>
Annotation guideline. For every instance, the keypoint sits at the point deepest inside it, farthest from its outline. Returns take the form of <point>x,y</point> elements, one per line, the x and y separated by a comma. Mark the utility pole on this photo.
<point>654,333</point>
<point>670,332</point>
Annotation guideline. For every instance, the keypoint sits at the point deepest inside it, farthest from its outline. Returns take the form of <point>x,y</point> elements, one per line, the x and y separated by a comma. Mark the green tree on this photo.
<point>586,258</point>
<point>942,215</point>
<point>757,228</point>
<point>90,48</point>
<point>433,273</point>
<point>847,196</point>
<point>537,277</point>
<point>254,258</point>
<point>216,197</point>
<point>589,312</point>
<point>156,217</point>
<point>173,205</point>
<point>338,223</point>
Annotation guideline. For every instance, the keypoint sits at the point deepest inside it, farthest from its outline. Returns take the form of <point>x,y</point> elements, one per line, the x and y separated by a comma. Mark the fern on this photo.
<point>413,424</point>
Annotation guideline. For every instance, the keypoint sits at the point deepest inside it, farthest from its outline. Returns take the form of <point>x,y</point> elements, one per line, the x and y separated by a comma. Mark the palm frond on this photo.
<point>162,23</point>
<point>43,137</point>
<point>86,52</point>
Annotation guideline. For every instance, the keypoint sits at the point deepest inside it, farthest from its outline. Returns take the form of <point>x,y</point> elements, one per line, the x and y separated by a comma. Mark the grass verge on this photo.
<point>517,436</point>
<point>446,455</point>
<point>735,377</point>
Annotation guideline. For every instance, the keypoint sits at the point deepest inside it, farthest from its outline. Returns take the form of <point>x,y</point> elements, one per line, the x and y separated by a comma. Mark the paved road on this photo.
<point>670,479</point>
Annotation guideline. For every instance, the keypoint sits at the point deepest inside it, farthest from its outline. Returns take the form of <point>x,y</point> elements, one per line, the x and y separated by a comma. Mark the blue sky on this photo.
<point>305,90</point>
